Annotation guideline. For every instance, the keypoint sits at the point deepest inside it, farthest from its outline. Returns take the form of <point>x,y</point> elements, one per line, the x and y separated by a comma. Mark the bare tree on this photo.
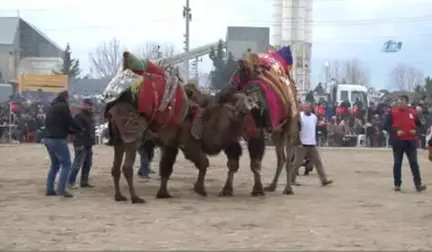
<point>405,78</point>
<point>349,71</point>
<point>154,50</point>
<point>106,59</point>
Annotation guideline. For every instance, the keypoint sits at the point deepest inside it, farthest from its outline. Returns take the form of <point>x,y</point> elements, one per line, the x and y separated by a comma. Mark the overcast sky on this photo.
<point>343,29</point>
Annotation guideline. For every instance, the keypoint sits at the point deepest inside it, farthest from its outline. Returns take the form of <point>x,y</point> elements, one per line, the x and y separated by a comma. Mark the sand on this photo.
<point>358,212</point>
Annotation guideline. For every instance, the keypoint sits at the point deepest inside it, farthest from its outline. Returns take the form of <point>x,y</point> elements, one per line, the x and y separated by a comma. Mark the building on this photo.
<point>293,26</point>
<point>20,40</point>
<point>240,39</point>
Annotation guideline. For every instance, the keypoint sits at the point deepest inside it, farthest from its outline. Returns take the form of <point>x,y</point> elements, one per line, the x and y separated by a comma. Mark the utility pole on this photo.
<point>188,17</point>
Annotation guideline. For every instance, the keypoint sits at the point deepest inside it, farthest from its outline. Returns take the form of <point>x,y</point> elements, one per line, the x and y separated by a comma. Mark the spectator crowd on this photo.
<point>338,126</point>
<point>24,116</point>
<point>342,125</point>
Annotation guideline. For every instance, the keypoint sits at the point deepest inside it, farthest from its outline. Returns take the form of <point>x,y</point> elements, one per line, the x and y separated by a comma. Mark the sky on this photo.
<point>342,29</point>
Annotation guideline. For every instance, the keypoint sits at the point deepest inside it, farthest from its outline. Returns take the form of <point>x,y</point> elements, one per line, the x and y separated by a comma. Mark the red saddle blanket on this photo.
<point>150,96</point>
<point>274,107</point>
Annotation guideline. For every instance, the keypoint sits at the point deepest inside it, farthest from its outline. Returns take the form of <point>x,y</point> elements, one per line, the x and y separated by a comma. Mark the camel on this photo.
<point>205,128</point>
<point>254,73</point>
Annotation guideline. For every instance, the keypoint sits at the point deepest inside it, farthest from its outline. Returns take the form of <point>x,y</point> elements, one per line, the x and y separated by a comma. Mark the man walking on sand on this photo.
<point>308,147</point>
<point>401,124</point>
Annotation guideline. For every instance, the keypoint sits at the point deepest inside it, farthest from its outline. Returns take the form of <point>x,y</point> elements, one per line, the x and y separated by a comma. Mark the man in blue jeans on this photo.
<point>402,123</point>
<point>83,143</point>
<point>146,152</point>
<point>58,125</point>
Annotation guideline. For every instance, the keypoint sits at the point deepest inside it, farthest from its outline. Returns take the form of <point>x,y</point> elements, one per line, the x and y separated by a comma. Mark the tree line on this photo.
<point>105,60</point>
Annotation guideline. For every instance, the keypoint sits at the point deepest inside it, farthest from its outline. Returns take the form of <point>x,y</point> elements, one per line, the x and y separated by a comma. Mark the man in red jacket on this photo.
<point>401,124</point>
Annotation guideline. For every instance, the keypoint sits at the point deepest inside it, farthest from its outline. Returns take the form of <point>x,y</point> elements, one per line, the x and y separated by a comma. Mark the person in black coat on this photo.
<point>83,145</point>
<point>58,125</point>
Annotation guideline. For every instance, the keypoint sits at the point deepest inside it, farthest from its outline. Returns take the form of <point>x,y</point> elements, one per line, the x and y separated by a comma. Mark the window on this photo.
<point>360,95</point>
<point>344,96</point>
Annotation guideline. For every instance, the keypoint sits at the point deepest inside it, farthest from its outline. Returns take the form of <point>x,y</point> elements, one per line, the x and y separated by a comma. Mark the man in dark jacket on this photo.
<point>402,123</point>
<point>83,143</point>
<point>58,125</point>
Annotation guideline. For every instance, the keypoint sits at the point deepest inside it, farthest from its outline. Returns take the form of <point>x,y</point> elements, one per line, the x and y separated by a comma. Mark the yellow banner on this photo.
<point>52,83</point>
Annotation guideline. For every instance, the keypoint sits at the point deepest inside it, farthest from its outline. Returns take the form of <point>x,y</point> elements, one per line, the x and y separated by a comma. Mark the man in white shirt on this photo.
<point>308,148</point>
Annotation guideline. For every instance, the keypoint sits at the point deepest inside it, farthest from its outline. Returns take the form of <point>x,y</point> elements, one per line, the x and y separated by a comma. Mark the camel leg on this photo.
<point>289,148</point>
<point>116,171</point>
<point>256,147</point>
<point>292,138</point>
<point>279,142</point>
<point>201,162</point>
<point>131,150</point>
<point>166,163</point>
<point>233,153</point>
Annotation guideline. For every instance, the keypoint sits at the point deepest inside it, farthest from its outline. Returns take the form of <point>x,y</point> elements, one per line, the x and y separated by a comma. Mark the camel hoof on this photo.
<point>119,197</point>
<point>200,190</point>
<point>270,188</point>
<point>288,192</point>
<point>226,193</point>
<point>163,195</point>
<point>137,200</point>
<point>257,193</point>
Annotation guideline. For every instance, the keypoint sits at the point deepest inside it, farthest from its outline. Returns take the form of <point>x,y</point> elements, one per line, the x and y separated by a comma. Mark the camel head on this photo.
<point>235,104</point>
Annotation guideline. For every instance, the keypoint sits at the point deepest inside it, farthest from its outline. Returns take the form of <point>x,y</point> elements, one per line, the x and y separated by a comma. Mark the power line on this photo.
<point>72,8</point>
<point>313,23</point>
<point>332,23</point>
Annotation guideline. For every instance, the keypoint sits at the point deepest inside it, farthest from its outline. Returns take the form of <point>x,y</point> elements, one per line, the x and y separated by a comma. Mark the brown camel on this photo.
<point>285,136</point>
<point>207,129</point>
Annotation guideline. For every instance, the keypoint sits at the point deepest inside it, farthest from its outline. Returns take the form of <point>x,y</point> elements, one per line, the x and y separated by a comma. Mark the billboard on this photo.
<point>50,83</point>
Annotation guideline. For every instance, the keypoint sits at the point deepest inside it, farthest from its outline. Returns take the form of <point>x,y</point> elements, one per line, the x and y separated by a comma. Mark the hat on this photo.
<point>285,53</point>
<point>88,101</point>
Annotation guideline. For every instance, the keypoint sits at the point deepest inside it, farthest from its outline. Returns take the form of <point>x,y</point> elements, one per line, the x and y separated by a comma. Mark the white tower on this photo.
<point>293,26</point>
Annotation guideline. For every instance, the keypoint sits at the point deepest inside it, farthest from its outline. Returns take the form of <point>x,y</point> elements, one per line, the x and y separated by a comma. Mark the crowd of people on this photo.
<point>342,125</point>
<point>22,119</point>
<point>338,126</point>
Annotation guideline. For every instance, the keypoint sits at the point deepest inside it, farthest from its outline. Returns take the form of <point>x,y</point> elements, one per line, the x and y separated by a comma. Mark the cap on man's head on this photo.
<point>88,101</point>
<point>64,94</point>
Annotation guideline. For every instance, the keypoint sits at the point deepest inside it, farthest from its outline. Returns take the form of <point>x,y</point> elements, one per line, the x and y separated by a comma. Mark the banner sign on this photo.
<point>50,83</point>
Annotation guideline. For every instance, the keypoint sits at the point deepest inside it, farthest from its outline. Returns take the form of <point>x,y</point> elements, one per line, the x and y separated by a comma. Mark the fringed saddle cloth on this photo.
<point>276,81</point>
<point>160,94</point>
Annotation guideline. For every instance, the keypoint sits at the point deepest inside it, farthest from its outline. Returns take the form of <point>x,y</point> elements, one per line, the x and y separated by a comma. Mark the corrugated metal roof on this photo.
<point>43,35</point>
<point>8,29</point>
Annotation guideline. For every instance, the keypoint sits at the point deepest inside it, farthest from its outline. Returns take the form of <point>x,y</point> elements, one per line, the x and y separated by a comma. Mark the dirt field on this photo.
<point>360,211</point>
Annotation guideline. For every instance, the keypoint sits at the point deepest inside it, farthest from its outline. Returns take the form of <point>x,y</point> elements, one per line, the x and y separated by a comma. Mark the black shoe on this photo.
<point>86,185</point>
<point>50,193</point>
<point>420,188</point>
<point>151,171</point>
<point>327,182</point>
<point>397,189</point>
<point>66,194</point>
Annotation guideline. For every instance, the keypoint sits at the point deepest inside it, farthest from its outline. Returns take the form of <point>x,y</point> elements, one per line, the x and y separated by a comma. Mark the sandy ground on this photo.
<point>360,211</point>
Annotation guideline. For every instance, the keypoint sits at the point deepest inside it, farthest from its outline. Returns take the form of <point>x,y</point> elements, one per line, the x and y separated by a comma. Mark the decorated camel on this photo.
<point>146,100</point>
<point>266,79</point>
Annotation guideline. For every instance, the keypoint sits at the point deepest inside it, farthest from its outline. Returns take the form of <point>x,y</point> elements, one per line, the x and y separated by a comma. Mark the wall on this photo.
<point>28,43</point>
<point>239,39</point>
<point>7,62</point>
